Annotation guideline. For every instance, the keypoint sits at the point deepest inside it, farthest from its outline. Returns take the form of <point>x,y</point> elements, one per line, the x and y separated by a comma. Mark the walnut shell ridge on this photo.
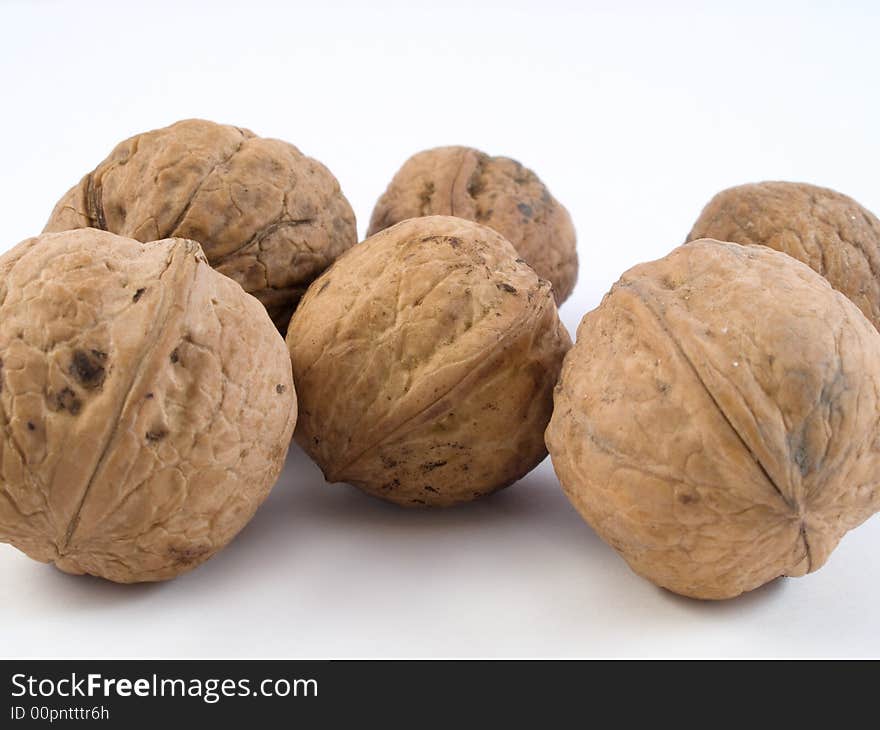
<point>266,215</point>
<point>824,229</point>
<point>146,401</point>
<point>495,191</point>
<point>717,421</point>
<point>425,360</point>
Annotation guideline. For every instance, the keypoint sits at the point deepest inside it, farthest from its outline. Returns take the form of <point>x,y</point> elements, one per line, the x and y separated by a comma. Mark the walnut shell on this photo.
<point>425,360</point>
<point>826,230</point>
<point>718,419</point>
<point>146,401</point>
<point>266,215</point>
<point>495,191</point>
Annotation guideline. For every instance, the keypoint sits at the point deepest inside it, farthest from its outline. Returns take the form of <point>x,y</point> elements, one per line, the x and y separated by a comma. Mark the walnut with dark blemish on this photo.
<point>132,456</point>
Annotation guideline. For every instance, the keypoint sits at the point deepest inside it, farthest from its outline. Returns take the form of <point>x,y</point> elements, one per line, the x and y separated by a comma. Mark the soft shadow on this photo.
<point>84,592</point>
<point>733,606</point>
<point>303,509</point>
<point>302,498</point>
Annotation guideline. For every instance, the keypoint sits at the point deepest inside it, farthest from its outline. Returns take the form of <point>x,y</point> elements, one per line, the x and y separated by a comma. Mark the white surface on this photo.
<point>635,115</point>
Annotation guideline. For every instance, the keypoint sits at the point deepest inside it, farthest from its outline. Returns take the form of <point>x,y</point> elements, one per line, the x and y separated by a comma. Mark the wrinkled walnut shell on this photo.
<point>495,191</point>
<point>826,230</point>
<point>266,215</point>
<point>146,402</point>
<point>425,360</point>
<point>718,419</point>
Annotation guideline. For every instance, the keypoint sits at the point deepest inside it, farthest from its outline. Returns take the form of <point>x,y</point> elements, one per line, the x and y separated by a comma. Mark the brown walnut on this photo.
<point>266,215</point>
<point>425,360</point>
<point>495,191</point>
<point>826,230</point>
<point>717,421</point>
<point>146,404</point>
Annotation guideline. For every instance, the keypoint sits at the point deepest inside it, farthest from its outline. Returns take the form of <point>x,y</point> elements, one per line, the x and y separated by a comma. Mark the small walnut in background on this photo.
<point>424,362</point>
<point>266,215</point>
<point>826,230</point>
<point>146,405</point>
<point>495,191</point>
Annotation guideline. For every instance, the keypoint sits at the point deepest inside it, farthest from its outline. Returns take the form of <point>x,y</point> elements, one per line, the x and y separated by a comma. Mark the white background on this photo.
<point>634,114</point>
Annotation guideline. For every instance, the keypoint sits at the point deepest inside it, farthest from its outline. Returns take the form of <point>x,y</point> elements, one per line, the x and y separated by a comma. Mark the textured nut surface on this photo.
<point>425,360</point>
<point>718,419</point>
<point>146,404</point>
<point>495,191</point>
<point>266,215</point>
<point>826,230</point>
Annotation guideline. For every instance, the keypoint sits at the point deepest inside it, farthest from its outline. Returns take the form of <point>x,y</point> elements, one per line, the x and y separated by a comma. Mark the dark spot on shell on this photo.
<point>662,387</point>
<point>156,434</point>
<point>149,396</point>
<point>388,462</point>
<point>175,355</point>
<point>280,389</point>
<point>324,286</point>
<point>802,459</point>
<point>429,488</point>
<point>65,400</point>
<point>316,440</point>
<point>506,287</point>
<point>688,498</point>
<point>454,242</point>
<point>88,368</point>
<point>187,555</point>
<point>431,465</point>
<point>388,486</point>
<point>138,294</point>
<point>520,261</point>
<point>525,209</point>
<point>418,501</point>
<point>30,425</point>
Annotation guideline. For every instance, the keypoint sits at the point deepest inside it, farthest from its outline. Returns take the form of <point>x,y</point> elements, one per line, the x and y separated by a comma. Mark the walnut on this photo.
<point>425,360</point>
<point>718,419</point>
<point>266,215</point>
<point>496,191</point>
<point>829,232</point>
<point>146,404</point>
